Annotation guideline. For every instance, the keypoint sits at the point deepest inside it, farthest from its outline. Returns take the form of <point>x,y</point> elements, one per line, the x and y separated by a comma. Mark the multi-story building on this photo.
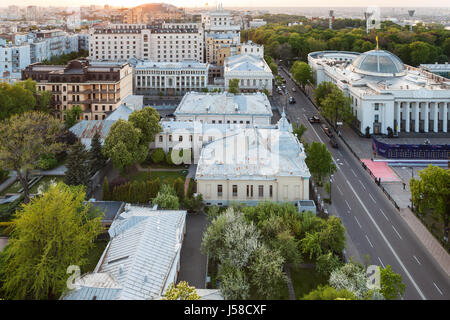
<point>250,47</point>
<point>148,13</point>
<point>169,78</point>
<point>13,58</point>
<point>225,108</point>
<point>386,95</point>
<point>97,87</point>
<point>253,73</point>
<point>214,45</point>
<point>169,42</point>
<point>256,23</point>
<point>220,22</point>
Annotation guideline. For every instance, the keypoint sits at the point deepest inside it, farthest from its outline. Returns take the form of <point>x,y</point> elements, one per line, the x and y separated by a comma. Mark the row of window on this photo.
<point>249,191</point>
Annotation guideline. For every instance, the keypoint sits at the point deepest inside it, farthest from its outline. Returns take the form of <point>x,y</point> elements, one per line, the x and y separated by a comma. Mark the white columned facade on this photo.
<point>426,119</point>
<point>435,116</point>
<point>398,116</point>
<point>408,107</point>
<point>416,116</point>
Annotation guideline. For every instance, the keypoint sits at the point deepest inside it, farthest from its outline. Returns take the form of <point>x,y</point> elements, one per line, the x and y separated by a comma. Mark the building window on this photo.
<point>219,190</point>
<point>261,191</point>
<point>190,138</point>
<point>160,138</point>
<point>377,106</point>
<point>235,190</point>
<point>376,118</point>
<point>170,137</point>
<point>271,191</point>
<point>180,138</point>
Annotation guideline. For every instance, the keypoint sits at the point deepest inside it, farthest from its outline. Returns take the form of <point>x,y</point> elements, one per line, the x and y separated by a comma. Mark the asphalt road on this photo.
<point>373,225</point>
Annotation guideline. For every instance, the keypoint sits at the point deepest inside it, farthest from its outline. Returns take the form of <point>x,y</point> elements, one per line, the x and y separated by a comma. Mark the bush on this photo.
<point>157,155</point>
<point>47,161</point>
<point>178,185</point>
<point>118,181</point>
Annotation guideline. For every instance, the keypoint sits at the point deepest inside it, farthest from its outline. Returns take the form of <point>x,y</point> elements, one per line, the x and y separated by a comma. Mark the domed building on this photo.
<point>385,93</point>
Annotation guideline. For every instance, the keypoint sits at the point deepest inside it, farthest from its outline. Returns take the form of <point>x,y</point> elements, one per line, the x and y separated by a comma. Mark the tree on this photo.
<point>302,73</point>
<point>97,160</point>
<point>319,161</point>
<point>329,293</point>
<point>147,120</point>
<point>25,138</point>
<point>299,131</point>
<point>166,198</point>
<point>72,116</point>
<point>43,101</point>
<point>233,86</point>
<point>420,52</point>
<point>337,107</point>
<point>50,233</point>
<point>351,277</point>
<point>15,99</point>
<point>122,145</point>
<point>106,195</point>
<point>288,246</point>
<point>78,169</point>
<point>327,262</point>
<point>182,291</point>
<point>266,274</point>
<point>431,194</point>
<point>178,185</point>
<point>322,91</point>
<point>158,155</point>
<point>391,283</point>
<point>234,283</point>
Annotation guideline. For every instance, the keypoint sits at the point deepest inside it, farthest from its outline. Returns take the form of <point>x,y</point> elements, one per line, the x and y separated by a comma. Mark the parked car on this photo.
<point>334,142</point>
<point>293,89</point>
<point>284,80</point>
<point>327,130</point>
<point>314,119</point>
<point>291,100</point>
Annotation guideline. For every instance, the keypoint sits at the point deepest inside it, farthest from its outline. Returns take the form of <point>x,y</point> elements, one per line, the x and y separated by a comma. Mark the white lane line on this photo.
<point>397,232</point>
<point>362,184</point>
<point>389,245</point>
<point>372,198</point>
<point>339,190</point>
<point>384,215</point>
<point>357,222</point>
<point>382,264</point>
<point>354,173</point>
<point>438,289</point>
<point>369,241</point>
<point>347,205</point>
<point>417,260</point>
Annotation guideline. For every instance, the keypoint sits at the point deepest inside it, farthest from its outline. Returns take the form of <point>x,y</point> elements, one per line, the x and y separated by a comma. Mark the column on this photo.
<point>416,117</point>
<point>398,117</point>
<point>426,118</point>
<point>444,116</point>
<point>435,116</point>
<point>407,118</point>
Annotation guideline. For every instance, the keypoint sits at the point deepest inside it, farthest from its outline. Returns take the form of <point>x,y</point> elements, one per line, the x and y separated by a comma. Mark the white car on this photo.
<point>293,89</point>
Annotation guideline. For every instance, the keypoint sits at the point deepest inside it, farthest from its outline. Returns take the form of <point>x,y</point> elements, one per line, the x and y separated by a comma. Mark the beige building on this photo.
<point>253,165</point>
<point>97,87</point>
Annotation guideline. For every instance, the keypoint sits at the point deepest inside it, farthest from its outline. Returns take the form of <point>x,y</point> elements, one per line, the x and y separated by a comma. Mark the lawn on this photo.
<point>13,188</point>
<point>94,255</point>
<point>45,181</point>
<point>305,280</point>
<point>168,176</point>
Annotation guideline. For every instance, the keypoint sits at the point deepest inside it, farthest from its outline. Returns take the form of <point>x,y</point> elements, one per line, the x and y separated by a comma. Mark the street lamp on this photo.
<point>412,177</point>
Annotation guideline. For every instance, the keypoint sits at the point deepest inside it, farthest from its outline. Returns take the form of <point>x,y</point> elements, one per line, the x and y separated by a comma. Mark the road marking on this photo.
<point>339,189</point>
<point>397,232</point>
<point>438,289</point>
<point>354,173</point>
<point>362,184</point>
<point>389,245</point>
<point>357,222</point>
<point>369,241</point>
<point>382,264</point>
<point>372,198</point>
<point>417,260</point>
<point>312,127</point>
<point>384,215</point>
<point>347,204</point>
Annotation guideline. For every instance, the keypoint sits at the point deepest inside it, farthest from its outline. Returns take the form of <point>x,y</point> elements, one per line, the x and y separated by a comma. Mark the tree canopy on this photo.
<point>319,160</point>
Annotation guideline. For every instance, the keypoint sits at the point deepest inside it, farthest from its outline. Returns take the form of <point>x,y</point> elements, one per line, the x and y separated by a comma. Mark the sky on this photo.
<point>238,3</point>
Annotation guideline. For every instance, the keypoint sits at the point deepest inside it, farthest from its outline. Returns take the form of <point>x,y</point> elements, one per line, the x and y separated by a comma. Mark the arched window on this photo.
<point>145,37</point>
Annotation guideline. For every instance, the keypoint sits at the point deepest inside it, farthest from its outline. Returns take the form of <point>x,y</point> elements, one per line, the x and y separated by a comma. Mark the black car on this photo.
<point>314,119</point>
<point>291,100</point>
<point>334,142</point>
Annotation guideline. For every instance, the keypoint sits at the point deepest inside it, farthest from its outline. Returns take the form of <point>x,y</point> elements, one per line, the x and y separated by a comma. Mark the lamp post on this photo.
<point>412,177</point>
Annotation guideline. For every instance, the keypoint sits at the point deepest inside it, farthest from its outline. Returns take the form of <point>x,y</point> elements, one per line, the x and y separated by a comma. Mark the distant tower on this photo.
<point>331,12</point>
<point>411,14</point>
<point>367,16</point>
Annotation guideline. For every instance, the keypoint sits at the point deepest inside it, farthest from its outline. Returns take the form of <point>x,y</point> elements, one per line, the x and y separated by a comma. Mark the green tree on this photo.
<point>15,99</point>
<point>106,193</point>
<point>157,155</point>
<point>319,161</point>
<point>72,116</point>
<point>302,73</point>
<point>147,120</point>
<point>178,185</point>
<point>337,107</point>
<point>182,291</point>
<point>420,52</point>
<point>299,131</point>
<point>431,194</point>
<point>167,198</point>
<point>234,284</point>
<point>327,262</point>
<point>329,293</point>
<point>25,138</point>
<point>391,283</point>
<point>123,147</point>
<point>233,86</point>
<point>43,102</point>
<point>322,91</point>
<point>78,169</point>
<point>97,159</point>
<point>50,233</point>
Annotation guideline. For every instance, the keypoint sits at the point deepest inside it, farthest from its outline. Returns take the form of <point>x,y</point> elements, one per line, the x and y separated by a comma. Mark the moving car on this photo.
<point>327,130</point>
<point>291,100</point>
<point>293,89</point>
<point>334,142</point>
<point>314,119</point>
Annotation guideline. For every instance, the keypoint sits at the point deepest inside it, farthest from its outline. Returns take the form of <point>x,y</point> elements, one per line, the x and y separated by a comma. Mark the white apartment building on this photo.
<point>12,60</point>
<point>384,92</point>
<point>225,108</point>
<point>253,73</point>
<point>169,42</point>
<point>252,48</point>
<point>256,23</point>
<point>169,78</point>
